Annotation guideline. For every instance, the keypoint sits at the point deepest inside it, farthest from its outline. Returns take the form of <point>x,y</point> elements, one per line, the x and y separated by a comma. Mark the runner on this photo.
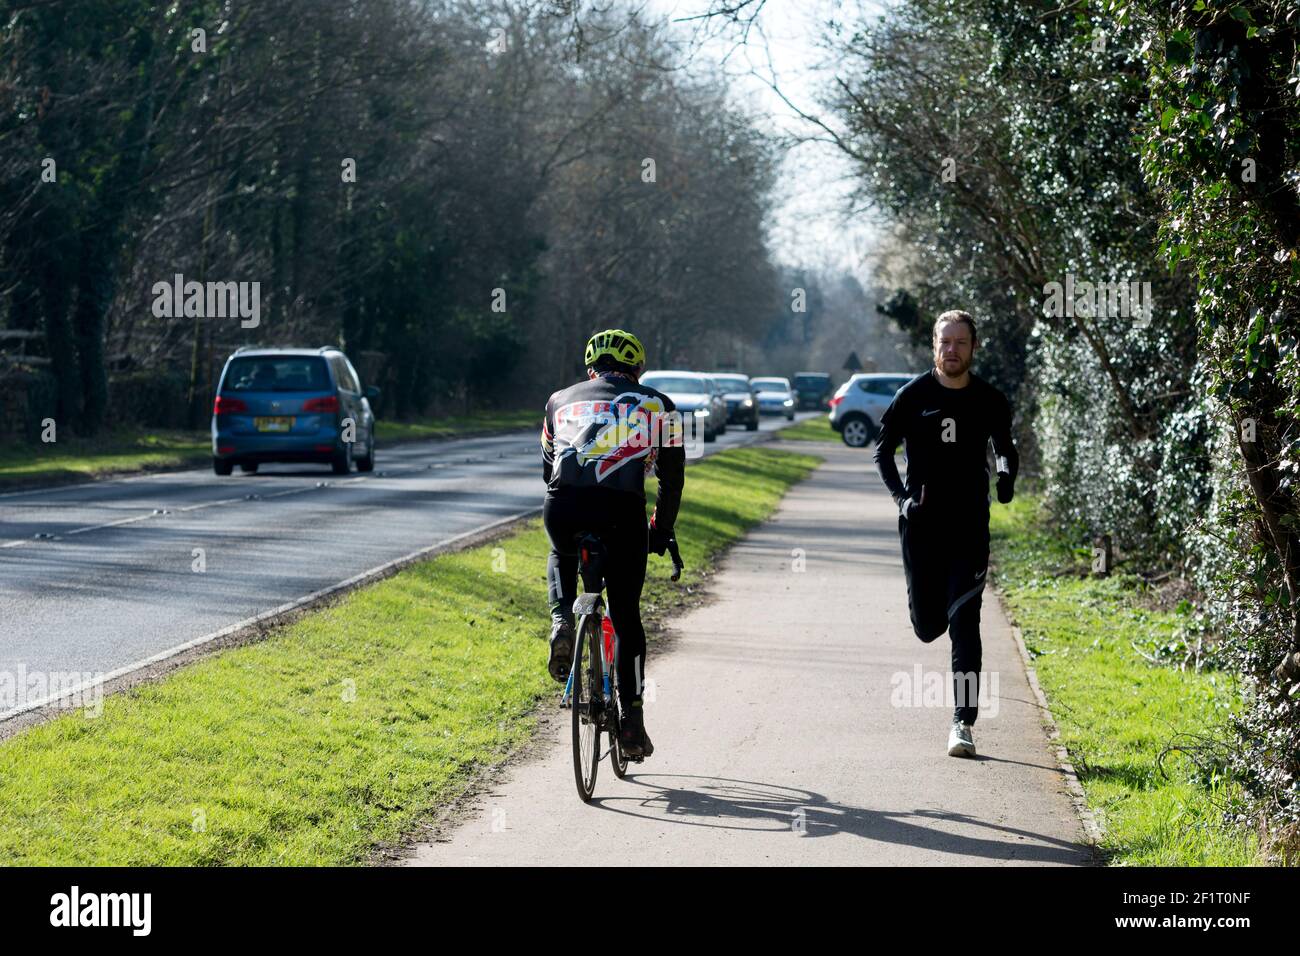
<point>945,418</point>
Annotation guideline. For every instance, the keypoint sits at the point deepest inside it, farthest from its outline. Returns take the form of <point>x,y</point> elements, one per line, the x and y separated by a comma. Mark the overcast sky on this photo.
<point>811,224</point>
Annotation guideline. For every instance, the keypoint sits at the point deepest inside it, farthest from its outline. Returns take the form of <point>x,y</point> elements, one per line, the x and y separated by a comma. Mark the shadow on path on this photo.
<point>749,805</point>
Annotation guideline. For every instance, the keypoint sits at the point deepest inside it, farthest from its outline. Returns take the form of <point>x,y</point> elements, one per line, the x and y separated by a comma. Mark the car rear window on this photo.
<point>733,383</point>
<point>882,386</point>
<point>277,373</point>
<point>812,381</point>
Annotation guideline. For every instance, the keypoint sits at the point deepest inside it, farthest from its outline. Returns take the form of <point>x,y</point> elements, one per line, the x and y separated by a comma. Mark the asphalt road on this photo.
<point>98,577</point>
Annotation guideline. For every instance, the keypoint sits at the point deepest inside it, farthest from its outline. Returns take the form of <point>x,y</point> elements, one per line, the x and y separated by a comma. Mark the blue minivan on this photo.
<point>293,405</point>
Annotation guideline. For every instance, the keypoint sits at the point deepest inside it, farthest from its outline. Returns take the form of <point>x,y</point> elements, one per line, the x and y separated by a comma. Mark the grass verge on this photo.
<point>483,421</point>
<point>1117,711</point>
<point>345,729</point>
<point>74,459</point>
<point>124,452</point>
<point>817,428</point>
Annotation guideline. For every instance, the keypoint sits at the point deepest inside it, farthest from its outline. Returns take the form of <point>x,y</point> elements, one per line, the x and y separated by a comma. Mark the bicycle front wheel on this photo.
<point>586,705</point>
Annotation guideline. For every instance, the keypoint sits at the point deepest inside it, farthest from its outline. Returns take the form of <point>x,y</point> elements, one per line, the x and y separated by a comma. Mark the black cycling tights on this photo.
<point>618,519</point>
<point>946,559</point>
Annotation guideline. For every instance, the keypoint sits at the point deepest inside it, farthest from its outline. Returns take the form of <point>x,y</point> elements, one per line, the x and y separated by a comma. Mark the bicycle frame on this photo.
<point>592,601</point>
<point>596,710</point>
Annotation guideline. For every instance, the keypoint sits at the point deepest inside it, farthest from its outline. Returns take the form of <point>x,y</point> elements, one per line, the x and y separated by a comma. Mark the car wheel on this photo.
<point>342,461</point>
<point>248,467</point>
<point>752,425</point>
<point>368,463</point>
<point>710,435</point>
<point>857,432</point>
<point>222,466</point>
<point>789,416</point>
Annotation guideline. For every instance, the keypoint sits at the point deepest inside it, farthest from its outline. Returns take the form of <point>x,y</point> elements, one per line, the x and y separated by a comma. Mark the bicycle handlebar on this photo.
<point>677,559</point>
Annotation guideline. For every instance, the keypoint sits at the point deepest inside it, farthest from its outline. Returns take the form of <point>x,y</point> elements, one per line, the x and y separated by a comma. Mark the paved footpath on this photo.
<point>779,734</point>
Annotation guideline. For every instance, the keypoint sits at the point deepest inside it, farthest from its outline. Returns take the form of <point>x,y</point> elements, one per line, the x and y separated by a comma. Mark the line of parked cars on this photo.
<point>719,399</point>
<point>308,405</point>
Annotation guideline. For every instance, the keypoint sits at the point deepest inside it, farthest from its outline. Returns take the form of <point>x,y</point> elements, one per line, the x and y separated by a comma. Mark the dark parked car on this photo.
<point>292,405</point>
<point>812,390</point>
<point>742,403</point>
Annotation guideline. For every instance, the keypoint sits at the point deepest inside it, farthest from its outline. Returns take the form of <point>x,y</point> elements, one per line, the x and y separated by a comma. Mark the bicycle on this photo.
<point>591,692</point>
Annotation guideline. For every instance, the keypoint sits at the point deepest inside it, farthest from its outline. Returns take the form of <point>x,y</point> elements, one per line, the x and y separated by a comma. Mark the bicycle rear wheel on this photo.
<point>587,703</point>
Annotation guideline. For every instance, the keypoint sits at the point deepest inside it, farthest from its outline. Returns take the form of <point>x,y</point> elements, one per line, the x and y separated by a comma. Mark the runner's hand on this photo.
<point>911,507</point>
<point>1006,487</point>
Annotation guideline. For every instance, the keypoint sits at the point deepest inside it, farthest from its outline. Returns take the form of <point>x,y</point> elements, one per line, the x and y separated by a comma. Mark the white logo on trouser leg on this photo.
<point>952,608</point>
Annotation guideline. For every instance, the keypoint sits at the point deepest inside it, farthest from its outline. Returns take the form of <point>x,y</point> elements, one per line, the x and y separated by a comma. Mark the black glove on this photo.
<point>910,508</point>
<point>1006,487</point>
<point>659,539</point>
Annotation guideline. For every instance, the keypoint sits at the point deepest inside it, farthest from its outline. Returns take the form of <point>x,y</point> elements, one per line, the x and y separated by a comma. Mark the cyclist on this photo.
<point>600,438</point>
<point>946,418</point>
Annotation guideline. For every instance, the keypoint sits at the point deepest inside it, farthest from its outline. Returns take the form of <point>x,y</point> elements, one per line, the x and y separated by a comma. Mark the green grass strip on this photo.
<point>346,728</point>
<point>71,458</point>
<point>482,421</point>
<point>817,428</point>
<point>1116,710</point>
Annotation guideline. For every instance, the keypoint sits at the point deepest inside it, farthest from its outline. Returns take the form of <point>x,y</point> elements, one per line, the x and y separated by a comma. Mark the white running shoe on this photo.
<point>961,740</point>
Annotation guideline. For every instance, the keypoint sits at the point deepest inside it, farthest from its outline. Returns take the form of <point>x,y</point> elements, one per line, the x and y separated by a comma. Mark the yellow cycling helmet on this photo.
<point>619,345</point>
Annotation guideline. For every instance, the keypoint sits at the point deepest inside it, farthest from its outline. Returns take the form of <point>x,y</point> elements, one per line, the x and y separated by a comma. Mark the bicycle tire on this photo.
<point>585,709</point>
<point>616,756</point>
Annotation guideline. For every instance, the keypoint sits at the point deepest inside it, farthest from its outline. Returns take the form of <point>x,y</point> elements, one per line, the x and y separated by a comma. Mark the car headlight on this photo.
<point>788,401</point>
<point>700,411</point>
<point>749,402</point>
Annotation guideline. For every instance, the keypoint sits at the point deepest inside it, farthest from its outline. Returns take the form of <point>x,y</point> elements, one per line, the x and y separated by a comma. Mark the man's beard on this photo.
<point>954,370</point>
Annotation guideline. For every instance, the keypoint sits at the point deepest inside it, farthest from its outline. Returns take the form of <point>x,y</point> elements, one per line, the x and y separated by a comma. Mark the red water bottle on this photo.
<point>607,629</point>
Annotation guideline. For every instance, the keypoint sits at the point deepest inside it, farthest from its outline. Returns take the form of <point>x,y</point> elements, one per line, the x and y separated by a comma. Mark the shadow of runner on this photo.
<point>750,805</point>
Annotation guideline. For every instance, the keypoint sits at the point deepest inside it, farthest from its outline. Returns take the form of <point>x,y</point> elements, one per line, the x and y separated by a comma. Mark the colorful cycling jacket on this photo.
<point>610,432</point>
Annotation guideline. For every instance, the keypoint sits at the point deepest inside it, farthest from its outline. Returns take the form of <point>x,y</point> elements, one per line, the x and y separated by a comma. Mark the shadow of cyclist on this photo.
<point>749,805</point>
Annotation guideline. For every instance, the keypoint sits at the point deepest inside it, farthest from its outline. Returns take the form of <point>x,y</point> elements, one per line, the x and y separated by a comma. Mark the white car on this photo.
<point>858,404</point>
<point>775,397</point>
<point>695,395</point>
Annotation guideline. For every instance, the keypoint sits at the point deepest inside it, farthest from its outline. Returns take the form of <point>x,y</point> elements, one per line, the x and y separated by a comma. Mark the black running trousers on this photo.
<point>946,559</point>
<point>619,520</point>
